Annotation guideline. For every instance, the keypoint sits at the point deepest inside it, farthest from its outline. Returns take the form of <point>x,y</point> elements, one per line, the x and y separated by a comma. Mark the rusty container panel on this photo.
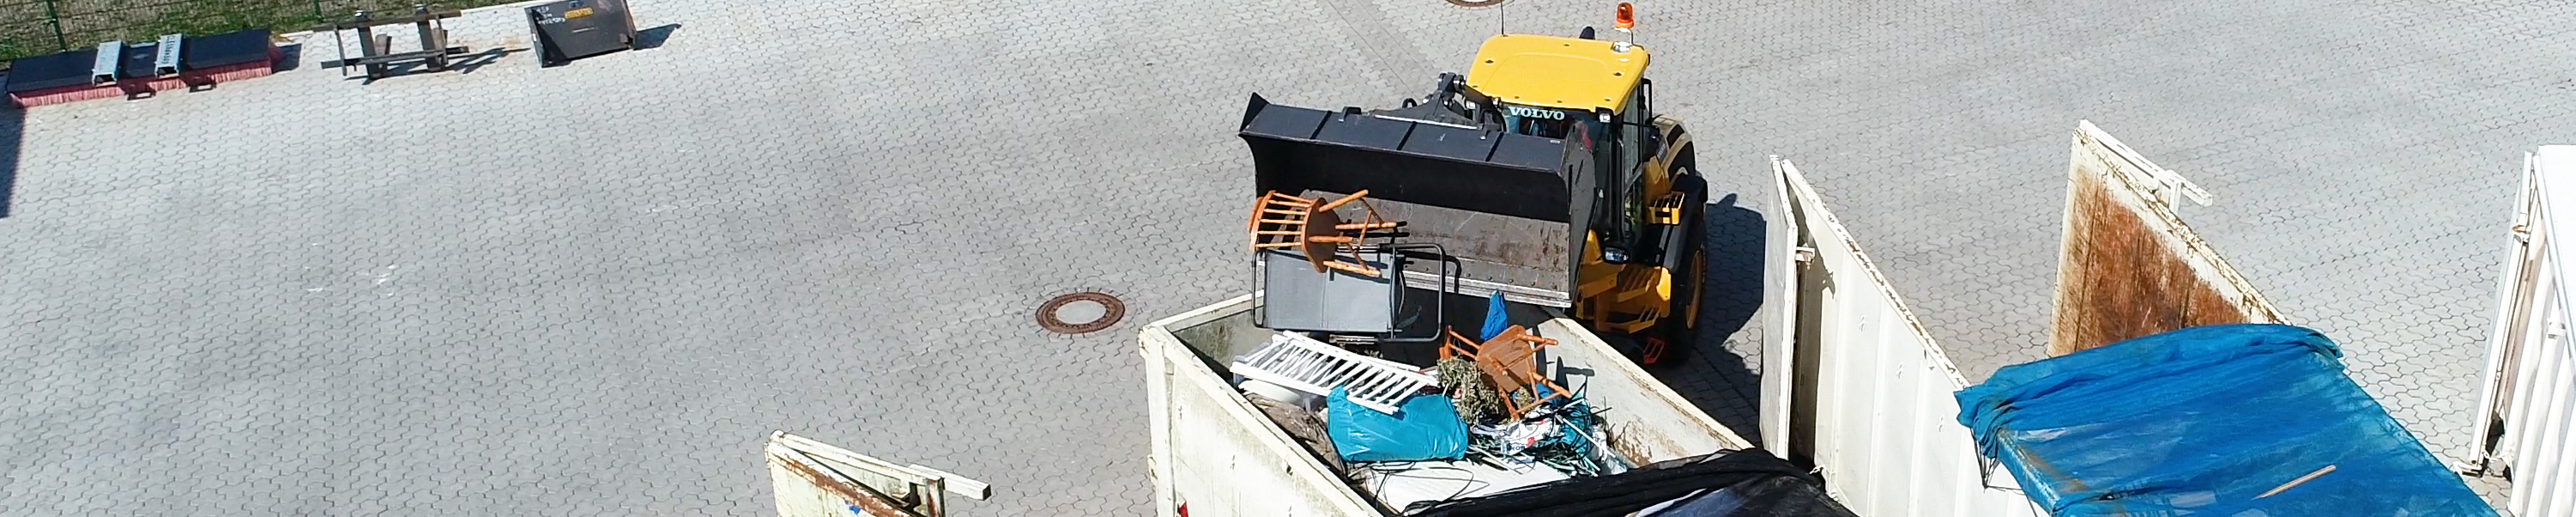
<point>812,479</point>
<point>2128,266</point>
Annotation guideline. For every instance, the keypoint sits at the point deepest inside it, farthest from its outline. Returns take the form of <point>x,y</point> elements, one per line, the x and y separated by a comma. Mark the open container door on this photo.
<point>1783,257</point>
<point>2128,266</point>
<point>2527,408</point>
<point>810,479</point>
<point>1853,385</point>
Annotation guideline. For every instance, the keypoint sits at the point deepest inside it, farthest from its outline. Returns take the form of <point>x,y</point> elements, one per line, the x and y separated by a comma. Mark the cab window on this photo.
<point>1550,123</point>
<point>1633,127</point>
<point>1539,127</point>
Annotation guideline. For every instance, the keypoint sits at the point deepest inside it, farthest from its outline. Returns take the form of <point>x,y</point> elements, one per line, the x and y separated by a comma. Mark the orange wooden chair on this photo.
<point>1510,362</point>
<point>1310,226</point>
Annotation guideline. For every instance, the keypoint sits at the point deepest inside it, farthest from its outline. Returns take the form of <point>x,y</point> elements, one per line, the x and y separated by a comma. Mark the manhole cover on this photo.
<point>1080,313</point>
<point>1476,3</point>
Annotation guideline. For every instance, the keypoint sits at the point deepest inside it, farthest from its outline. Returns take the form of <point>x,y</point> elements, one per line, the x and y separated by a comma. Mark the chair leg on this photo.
<point>1355,269</point>
<point>1337,203</point>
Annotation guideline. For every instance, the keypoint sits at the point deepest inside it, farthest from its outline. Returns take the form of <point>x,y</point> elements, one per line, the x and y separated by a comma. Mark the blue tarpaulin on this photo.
<point>2221,421</point>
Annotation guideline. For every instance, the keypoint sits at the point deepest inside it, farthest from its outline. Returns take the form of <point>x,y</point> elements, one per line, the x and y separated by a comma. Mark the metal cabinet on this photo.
<point>574,29</point>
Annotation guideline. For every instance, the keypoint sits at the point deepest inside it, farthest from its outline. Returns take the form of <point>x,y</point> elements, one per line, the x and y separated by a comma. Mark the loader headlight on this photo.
<point>1614,256</point>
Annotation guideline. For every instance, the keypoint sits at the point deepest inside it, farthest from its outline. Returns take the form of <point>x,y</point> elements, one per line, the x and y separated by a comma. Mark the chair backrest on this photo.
<point>1509,360</point>
<point>1281,221</point>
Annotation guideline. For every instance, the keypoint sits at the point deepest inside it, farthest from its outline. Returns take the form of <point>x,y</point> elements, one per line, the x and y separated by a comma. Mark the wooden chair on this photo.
<point>1311,227</point>
<point>1510,363</point>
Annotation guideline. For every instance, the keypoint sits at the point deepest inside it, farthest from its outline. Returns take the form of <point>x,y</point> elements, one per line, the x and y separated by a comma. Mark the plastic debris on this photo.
<point>1304,364</point>
<point>1303,426</point>
<point>1747,483</point>
<point>1513,438</point>
<point>1426,428</point>
<point>1423,483</point>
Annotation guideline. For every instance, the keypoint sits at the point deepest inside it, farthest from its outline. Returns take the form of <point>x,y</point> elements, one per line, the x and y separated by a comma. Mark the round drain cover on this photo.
<point>1476,3</point>
<point>1080,313</point>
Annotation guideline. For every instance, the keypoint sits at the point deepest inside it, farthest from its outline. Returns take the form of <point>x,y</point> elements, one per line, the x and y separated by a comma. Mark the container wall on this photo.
<point>800,495</point>
<point>1212,451</point>
<point>2128,267</point>
<point>811,479</point>
<point>1647,422</point>
<point>2531,394</point>
<point>1867,395</point>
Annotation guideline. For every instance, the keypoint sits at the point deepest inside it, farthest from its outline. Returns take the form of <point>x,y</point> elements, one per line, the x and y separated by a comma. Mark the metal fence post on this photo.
<point>51,16</point>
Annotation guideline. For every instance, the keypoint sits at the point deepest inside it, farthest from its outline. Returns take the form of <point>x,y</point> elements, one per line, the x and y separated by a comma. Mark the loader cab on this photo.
<point>1590,93</point>
<point>1551,86</point>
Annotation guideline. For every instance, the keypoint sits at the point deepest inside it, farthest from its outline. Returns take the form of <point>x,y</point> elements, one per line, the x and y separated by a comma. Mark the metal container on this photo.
<point>1852,381</point>
<point>1218,455</point>
<point>2528,407</point>
<point>574,29</point>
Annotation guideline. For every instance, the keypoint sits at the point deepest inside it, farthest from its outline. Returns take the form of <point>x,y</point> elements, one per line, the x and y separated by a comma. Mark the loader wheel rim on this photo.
<point>1050,317</point>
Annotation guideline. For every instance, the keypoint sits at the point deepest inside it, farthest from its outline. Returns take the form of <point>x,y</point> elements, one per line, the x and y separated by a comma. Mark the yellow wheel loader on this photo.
<point>1544,170</point>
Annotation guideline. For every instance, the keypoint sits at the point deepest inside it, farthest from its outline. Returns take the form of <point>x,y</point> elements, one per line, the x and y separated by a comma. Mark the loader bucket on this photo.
<point>1449,166</point>
<point>1497,201</point>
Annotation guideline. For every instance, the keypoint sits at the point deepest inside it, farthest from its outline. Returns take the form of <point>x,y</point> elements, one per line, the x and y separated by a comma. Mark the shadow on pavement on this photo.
<point>654,37</point>
<point>13,126</point>
<point>468,63</point>
<point>290,56</point>
<point>1713,377</point>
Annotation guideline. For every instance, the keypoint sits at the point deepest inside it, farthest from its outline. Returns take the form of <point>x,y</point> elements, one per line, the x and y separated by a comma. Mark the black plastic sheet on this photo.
<point>1747,483</point>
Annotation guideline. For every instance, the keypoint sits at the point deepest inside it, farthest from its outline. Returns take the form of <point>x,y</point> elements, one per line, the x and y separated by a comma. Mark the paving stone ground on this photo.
<point>595,288</point>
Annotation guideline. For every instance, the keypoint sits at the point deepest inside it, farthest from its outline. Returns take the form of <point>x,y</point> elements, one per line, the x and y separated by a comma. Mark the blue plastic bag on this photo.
<point>2222,420</point>
<point>1426,427</point>
<point>1495,321</point>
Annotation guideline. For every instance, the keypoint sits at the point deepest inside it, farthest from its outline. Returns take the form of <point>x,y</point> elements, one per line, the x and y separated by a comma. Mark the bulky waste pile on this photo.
<point>1451,433</point>
<point>1485,430</point>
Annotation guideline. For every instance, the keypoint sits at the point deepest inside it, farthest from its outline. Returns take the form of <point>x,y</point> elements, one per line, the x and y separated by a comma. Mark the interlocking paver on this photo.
<point>594,288</point>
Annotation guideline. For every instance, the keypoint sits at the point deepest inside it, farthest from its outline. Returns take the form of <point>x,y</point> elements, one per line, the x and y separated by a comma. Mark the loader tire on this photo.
<point>1680,328</point>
